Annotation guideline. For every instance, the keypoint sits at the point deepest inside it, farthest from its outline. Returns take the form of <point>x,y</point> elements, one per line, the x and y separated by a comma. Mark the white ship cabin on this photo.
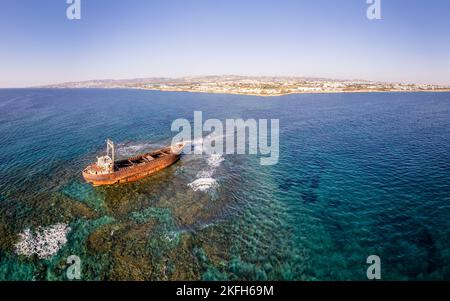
<point>105,164</point>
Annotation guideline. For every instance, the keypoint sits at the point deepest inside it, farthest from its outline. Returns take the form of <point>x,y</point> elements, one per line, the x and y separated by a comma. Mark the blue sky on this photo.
<point>146,38</point>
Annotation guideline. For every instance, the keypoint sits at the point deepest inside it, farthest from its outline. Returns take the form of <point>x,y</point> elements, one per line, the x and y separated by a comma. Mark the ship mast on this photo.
<point>110,149</point>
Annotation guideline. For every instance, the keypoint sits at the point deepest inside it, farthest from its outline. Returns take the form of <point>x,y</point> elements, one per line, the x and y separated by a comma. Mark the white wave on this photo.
<point>131,150</point>
<point>199,143</point>
<point>196,143</point>
<point>203,184</point>
<point>44,241</point>
<point>205,180</point>
<point>214,160</point>
<point>172,236</point>
<point>205,174</point>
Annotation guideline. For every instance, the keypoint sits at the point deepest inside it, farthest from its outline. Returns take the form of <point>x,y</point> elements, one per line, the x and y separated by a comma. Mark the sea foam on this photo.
<point>205,181</point>
<point>215,160</point>
<point>203,184</point>
<point>44,241</point>
<point>128,150</point>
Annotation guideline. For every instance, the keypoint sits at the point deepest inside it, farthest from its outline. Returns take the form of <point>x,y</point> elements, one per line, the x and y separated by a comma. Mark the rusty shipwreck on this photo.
<point>107,171</point>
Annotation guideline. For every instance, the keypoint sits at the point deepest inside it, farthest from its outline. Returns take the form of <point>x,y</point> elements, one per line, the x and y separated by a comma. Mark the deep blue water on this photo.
<point>359,174</point>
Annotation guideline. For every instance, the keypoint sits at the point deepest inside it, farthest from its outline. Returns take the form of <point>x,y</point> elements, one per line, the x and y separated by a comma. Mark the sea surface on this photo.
<point>358,175</point>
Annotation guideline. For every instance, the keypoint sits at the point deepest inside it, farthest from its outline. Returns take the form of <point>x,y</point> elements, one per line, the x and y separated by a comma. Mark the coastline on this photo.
<point>296,93</point>
<point>252,86</point>
<point>252,94</point>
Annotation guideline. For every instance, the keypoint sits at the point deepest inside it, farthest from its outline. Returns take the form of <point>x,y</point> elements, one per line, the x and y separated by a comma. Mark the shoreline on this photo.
<point>297,93</point>
<point>246,94</point>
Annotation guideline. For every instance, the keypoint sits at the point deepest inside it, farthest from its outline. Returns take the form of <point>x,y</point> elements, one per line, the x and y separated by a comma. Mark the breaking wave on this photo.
<point>196,143</point>
<point>202,144</point>
<point>129,150</point>
<point>44,241</point>
<point>215,160</point>
<point>205,174</point>
<point>203,184</point>
<point>205,180</point>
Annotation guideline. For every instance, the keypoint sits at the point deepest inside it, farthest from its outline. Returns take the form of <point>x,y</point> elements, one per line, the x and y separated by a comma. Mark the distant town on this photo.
<point>251,85</point>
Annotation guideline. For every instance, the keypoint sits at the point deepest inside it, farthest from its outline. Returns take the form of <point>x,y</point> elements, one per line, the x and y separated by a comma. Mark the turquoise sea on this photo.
<point>358,174</point>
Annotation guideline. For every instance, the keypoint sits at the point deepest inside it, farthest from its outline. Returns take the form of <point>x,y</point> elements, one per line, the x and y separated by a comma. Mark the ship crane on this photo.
<point>106,162</point>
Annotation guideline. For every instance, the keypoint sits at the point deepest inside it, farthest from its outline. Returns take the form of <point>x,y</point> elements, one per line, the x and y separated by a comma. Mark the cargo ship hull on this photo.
<point>132,169</point>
